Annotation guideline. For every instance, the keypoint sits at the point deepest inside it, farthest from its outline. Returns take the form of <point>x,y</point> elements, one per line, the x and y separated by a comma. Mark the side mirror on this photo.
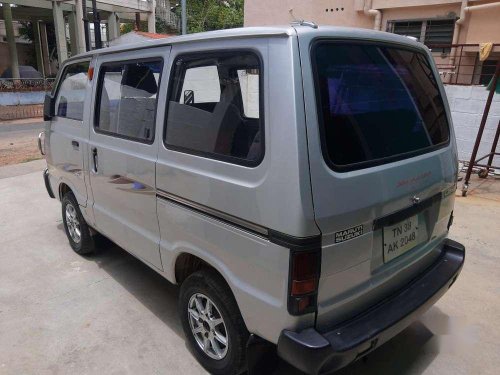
<point>188,97</point>
<point>48,107</point>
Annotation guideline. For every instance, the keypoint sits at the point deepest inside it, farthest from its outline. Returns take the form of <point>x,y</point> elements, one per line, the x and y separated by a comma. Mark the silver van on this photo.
<point>296,182</point>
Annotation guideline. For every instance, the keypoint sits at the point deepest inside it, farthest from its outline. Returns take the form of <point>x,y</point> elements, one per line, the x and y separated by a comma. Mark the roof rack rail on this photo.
<point>304,23</point>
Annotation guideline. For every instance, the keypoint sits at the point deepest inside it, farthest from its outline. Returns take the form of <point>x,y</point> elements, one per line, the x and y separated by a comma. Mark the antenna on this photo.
<point>301,22</point>
<point>304,23</point>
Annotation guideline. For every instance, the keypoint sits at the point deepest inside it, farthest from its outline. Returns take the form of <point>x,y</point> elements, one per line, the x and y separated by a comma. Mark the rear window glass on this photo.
<point>376,104</point>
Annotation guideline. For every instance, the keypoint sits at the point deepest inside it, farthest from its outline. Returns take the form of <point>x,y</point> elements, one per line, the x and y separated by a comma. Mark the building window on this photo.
<point>439,31</point>
<point>429,32</point>
<point>214,109</point>
<point>127,96</point>
<point>407,28</point>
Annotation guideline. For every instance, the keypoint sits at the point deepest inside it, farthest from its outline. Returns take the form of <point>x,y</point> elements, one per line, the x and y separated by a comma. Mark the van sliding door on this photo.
<point>123,149</point>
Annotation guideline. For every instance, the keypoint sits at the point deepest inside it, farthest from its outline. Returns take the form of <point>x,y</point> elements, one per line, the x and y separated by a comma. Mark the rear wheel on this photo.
<point>76,228</point>
<point>212,323</point>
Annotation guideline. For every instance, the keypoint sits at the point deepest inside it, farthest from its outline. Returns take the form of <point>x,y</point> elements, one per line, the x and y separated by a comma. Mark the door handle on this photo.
<point>75,144</point>
<point>40,143</point>
<point>94,159</point>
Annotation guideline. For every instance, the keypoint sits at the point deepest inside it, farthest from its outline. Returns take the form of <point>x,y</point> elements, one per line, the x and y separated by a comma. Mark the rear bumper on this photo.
<point>314,352</point>
<point>47,183</point>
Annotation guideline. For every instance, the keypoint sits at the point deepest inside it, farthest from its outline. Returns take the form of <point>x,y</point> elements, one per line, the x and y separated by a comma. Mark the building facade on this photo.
<point>453,29</point>
<point>58,28</point>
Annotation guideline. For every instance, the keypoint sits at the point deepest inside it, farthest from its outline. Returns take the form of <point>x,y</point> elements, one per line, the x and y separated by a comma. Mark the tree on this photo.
<point>203,15</point>
<point>206,15</point>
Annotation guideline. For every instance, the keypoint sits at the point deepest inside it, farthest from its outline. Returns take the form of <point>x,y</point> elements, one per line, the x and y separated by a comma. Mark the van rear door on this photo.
<point>383,167</point>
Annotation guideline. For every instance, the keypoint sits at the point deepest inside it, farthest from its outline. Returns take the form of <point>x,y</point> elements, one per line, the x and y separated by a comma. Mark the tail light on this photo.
<point>303,284</point>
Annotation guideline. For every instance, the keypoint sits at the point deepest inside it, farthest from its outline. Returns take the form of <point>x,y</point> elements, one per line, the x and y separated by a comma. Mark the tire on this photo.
<point>209,285</point>
<point>74,223</point>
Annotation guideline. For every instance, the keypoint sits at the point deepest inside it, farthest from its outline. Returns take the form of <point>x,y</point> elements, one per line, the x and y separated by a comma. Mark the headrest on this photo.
<point>140,77</point>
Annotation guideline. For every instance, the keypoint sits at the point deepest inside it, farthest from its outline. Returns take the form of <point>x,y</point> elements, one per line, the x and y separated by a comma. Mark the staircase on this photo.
<point>164,13</point>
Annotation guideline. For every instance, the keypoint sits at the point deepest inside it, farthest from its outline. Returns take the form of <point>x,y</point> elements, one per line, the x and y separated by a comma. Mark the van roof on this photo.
<point>257,32</point>
<point>242,32</point>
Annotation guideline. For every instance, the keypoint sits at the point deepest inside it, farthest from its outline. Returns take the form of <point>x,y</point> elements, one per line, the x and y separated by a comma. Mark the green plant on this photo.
<point>206,15</point>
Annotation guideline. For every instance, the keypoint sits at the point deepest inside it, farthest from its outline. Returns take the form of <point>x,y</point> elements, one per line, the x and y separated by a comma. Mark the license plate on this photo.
<point>400,237</point>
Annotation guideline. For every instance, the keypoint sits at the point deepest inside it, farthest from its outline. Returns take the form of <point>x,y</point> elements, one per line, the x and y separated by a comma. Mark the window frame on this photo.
<point>61,80</point>
<point>170,93</point>
<point>421,35</point>
<point>97,107</point>
<point>319,112</point>
<point>428,26</point>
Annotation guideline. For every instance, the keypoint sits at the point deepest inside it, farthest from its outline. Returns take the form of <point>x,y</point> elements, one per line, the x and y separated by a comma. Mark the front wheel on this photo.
<point>77,230</point>
<point>212,323</point>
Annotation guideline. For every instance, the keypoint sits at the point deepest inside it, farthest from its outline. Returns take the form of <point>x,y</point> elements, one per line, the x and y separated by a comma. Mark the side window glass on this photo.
<point>214,107</point>
<point>201,84</point>
<point>127,98</point>
<point>71,92</point>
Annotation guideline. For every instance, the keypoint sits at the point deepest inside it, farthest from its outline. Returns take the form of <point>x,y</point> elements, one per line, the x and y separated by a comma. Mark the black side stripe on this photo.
<point>213,213</point>
<point>285,240</point>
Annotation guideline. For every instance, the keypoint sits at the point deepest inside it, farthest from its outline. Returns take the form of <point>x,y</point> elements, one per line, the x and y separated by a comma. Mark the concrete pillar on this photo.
<point>118,30</point>
<point>38,46</point>
<point>44,45</point>
<point>152,17</point>
<point>113,27</point>
<point>60,31</point>
<point>80,32</point>
<point>9,30</point>
<point>73,39</point>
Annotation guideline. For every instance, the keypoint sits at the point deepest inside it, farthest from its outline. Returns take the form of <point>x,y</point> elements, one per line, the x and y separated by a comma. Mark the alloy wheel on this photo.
<point>208,326</point>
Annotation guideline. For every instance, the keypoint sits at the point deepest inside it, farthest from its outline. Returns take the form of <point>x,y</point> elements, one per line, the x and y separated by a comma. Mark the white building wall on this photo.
<point>467,105</point>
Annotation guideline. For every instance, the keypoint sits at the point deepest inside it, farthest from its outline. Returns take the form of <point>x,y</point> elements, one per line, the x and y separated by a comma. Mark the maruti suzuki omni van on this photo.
<point>296,182</point>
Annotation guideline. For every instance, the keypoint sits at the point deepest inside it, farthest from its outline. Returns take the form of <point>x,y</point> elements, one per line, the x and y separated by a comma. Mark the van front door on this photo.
<point>68,136</point>
<point>123,151</point>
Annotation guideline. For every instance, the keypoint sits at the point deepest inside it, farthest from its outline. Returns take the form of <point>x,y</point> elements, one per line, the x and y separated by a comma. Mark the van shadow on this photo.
<point>405,353</point>
<point>147,286</point>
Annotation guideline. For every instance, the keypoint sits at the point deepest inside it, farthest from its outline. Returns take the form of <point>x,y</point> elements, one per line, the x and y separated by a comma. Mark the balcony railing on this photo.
<point>459,64</point>
<point>164,13</point>
<point>26,84</point>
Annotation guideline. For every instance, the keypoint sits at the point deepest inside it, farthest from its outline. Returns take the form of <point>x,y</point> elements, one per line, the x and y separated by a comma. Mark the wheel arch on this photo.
<point>63,189</point>
<point>187,264</point>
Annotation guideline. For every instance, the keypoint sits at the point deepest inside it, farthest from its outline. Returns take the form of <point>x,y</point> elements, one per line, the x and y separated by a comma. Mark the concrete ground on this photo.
<point>62,313</point>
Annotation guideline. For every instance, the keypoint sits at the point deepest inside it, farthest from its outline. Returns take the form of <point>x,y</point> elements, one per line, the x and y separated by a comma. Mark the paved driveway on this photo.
<point>110,314</point>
